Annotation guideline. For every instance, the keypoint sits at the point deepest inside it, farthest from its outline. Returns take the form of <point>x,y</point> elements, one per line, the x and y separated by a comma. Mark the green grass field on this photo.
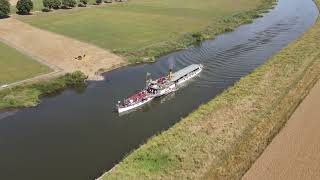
<point>138,23</point>
<point>15,66</point>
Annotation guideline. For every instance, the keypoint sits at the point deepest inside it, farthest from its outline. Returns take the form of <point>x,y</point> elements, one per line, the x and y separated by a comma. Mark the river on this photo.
<point>78,135</point>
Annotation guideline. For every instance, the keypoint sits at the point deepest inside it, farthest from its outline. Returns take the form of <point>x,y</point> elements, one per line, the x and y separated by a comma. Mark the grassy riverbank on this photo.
<point>143,29</point>
<point>28,95</point>
<point>15,66</point>
<point>223,138</point>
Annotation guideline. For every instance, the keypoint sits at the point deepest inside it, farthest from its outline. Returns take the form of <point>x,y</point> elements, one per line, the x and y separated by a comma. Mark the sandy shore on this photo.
<point>295,152</point>
<point>58,51</point>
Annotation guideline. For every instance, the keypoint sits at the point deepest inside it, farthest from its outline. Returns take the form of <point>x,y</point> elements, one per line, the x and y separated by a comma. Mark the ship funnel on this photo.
<point>170,75</point>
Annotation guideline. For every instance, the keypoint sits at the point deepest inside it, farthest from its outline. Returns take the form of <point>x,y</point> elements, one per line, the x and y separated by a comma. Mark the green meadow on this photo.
<point>15,66</point>
<point>139,24</point>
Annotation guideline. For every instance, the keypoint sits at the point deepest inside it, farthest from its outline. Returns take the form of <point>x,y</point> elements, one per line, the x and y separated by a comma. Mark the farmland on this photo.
<point>15,66</point>
<point>132,27</point>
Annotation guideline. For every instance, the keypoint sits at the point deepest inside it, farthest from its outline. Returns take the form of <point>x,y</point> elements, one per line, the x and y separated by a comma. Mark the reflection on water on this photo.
<point>78,135</point>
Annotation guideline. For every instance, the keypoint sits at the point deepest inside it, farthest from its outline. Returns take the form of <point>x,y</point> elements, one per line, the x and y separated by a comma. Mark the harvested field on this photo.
<point>58,50</point>
<point>294,152</point>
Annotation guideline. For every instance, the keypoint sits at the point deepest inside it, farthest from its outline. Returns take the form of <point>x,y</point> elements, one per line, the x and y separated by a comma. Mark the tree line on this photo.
<point>25,6</point>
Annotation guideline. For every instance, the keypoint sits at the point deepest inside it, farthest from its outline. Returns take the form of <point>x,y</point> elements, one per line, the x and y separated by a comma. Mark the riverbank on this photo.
<point>29,95</point>
<point>224,137</point>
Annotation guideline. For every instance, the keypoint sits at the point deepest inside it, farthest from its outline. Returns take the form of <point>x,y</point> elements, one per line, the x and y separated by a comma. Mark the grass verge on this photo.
<point>29,95</point>
<point>15,66</point>
<point>222,138</point>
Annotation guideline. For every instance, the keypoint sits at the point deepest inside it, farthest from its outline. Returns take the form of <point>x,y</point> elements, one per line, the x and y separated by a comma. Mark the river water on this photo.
<point>78,135</point>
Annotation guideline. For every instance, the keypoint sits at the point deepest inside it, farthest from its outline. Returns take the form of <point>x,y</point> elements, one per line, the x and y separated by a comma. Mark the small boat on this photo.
<point>159,87</point>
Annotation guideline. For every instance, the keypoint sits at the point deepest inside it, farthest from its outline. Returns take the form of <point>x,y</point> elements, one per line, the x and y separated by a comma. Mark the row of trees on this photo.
<point>23,7</point>
<point>56,4</point>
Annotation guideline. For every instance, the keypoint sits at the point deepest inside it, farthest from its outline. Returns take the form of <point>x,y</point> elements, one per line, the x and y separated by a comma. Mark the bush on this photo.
<point>46,10</point>
<point>81,5</point>
<point>47,4</point>
<point>75,79</point>
<point>56,4</point>
<point>98,1</point>
<point>4,8</point>
<point>198,36</point>
<point>24,6</point>
<point>69,3</point>
<point>85,2</point>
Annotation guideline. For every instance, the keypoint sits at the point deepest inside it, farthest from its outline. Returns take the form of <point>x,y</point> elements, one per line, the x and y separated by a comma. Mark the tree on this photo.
<point>24,6</point>
<point>56,4</point>
<point>4,8</point>
<point>98,1</point>
<point>85,2</point>
<point>47,4</point>
<point>69,3</point>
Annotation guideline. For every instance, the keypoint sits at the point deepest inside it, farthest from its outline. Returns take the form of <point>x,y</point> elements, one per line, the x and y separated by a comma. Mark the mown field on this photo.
<point>223,138</point>
<point>15,66</point>
<point>138,24</point>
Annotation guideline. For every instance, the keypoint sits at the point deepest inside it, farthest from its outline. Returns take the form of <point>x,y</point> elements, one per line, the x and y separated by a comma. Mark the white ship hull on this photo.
<point>134,106</point>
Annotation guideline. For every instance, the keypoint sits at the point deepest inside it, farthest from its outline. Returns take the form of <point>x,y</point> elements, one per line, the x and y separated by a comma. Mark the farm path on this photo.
<point>56,51</point>
<point>294,152</point>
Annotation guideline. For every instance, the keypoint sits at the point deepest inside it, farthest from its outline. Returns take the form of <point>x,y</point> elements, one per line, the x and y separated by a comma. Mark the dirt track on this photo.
<point>295,152</point>
<point>58,50</point>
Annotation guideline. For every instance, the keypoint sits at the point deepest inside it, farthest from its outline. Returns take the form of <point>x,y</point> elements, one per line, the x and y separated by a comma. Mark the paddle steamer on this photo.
<point>159,87</point>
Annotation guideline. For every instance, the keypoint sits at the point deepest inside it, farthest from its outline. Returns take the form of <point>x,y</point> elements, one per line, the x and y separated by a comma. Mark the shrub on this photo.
<point>81,5</point>
<point>4,8</point>
<point>56,4</point>
<point>85,2</point>
<point>69,3</point>
<point>46,10</point>
<point>75,79</point>
<point>47,4</point>
<point>198,36</point>
<point>24,6</point>
<point>98,1</point>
